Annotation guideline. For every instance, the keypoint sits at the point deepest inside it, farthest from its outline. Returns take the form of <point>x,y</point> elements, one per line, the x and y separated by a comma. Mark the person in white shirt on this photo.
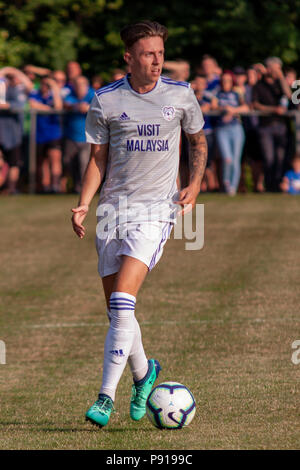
<point>134,127</point>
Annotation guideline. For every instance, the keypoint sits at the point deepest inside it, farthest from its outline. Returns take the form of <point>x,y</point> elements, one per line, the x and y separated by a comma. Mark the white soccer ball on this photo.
<point>170,405</point>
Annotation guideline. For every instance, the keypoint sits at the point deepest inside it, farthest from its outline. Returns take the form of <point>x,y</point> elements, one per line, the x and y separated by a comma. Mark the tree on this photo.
<point>52,32</point>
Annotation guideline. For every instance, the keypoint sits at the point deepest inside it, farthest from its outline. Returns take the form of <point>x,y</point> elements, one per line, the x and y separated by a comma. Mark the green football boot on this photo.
<point>100,412</point>
<point>142,389</point>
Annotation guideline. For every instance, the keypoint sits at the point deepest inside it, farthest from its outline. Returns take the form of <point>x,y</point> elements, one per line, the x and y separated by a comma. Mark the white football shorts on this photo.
<point>144,241</point>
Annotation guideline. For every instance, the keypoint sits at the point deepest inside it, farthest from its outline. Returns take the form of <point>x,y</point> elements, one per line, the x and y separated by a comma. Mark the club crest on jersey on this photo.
<point>168,112</point>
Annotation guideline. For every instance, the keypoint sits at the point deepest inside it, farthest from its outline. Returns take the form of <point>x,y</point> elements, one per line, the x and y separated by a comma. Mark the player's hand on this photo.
<point>187,199</point>
<point>79,214</point>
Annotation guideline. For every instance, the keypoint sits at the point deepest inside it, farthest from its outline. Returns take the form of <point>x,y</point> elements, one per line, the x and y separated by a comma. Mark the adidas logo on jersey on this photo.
<point>124,117</point>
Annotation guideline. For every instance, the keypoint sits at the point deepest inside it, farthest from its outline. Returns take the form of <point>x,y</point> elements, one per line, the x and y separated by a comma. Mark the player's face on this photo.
<point>146,58</point>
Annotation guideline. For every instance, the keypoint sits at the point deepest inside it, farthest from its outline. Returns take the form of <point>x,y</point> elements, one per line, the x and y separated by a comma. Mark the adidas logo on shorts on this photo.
<point>117,352</point>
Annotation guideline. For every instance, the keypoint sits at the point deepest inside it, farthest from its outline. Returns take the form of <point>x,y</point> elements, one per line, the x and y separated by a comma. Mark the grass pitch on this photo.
<point>220,320</point>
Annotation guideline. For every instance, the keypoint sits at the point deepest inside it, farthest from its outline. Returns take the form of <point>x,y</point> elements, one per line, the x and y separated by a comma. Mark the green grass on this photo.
<point>220,320</point>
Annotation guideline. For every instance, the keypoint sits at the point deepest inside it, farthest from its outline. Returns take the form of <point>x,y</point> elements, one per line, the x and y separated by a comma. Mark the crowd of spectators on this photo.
<point>245,151</point>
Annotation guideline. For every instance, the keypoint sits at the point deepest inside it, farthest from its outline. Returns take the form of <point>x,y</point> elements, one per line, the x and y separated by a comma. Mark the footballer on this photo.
<point>134,126</point>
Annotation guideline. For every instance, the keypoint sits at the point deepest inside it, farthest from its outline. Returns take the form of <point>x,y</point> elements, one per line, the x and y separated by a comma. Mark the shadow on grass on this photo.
<point>92,429</point>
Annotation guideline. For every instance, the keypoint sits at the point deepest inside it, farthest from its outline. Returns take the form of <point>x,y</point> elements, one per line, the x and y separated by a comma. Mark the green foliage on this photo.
<point>51,32</point>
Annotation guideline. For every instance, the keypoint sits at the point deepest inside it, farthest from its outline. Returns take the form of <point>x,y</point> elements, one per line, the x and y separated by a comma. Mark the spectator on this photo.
<point>179,69</point>
<point>204,98</point>
<point>75,143</point>
<point>73,71</point>
<point>290,75</point>
<point>209,67</point>
<point>48,136</point>
<point>18,87</point>
<point>61,79</point>
<point>34,74</point>
<point>260,70</point>
<point>252,148</point>
<point>117,74</point>
<point>240,79</point>
<point>267,96</point>
<point>97,82</point>
<point>4,169</point>
<point>229,132</point>
<point>291,180</point>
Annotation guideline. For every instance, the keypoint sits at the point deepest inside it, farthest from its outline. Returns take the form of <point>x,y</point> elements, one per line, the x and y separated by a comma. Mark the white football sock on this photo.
<point>137,359</point>
<point>118,341</point>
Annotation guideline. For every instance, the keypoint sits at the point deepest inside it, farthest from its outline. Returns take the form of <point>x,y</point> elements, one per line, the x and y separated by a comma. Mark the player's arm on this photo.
<point>197,164</point>
<point>92,179</point>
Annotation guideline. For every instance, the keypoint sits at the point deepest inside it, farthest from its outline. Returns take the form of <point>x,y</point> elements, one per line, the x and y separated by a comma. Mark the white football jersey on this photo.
<point>143,131</point>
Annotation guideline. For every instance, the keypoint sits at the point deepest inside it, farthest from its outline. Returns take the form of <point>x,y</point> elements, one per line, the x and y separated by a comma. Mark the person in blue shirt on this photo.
<point>204,97</point>
<point>229,132</point>
<point>48,135</point>
<point>17,86</point>
<point>212,71</point>
<point>76,149</point>
<point>291,180</point>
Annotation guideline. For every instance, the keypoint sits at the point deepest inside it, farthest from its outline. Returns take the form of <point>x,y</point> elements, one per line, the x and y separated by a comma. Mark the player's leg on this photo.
<point>137,359</point>
<point>138,252</point>
<point>146,242</point>
<point>129,279</point>
<point>120,334</point>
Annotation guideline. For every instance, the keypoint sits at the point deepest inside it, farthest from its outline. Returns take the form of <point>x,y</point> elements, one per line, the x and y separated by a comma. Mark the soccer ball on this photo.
<point>170,405</point>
